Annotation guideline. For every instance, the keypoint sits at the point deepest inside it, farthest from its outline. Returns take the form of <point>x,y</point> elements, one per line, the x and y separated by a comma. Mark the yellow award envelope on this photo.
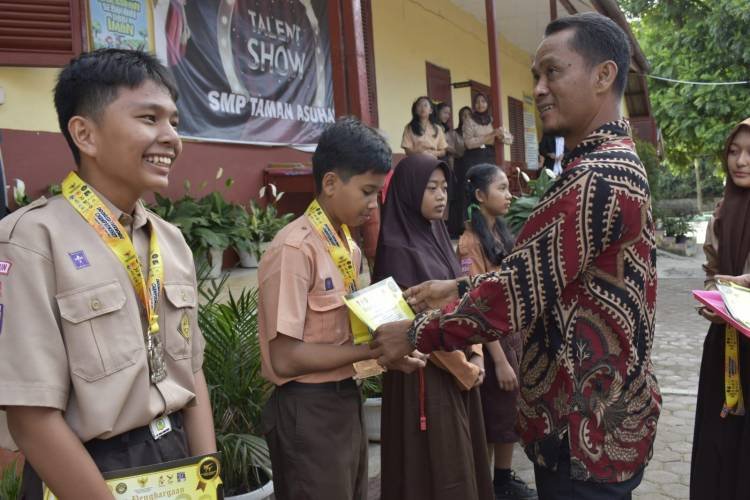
<point>378,304</point>
<point>194,478</point>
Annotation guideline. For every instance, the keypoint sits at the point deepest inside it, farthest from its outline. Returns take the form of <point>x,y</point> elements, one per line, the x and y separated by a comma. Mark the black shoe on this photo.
<point>515,488</point>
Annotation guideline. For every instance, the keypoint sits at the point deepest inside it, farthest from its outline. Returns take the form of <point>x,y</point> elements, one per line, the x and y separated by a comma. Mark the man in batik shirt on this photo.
<point>580,284</point>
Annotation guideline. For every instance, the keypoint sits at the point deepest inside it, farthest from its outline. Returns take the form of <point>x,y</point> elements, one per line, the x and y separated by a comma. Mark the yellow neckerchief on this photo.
<point>95,212</point>
<point>343,260</point>
<point>733,402</point>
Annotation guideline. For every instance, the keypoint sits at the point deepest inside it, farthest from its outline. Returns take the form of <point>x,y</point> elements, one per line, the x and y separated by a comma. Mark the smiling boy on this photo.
<point>100,351</point>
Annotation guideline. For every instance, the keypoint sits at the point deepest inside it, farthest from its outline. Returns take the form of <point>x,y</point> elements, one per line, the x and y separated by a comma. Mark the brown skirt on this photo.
<point>448,460</point>
<point>721,446</point>
<point>499,407</point>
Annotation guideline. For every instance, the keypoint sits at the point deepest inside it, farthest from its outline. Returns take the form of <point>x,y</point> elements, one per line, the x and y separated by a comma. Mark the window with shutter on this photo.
<point>515,119</point>
<point>39,32</point>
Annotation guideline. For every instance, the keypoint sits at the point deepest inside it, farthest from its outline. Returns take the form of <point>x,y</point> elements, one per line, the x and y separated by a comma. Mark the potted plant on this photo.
<point>221,229</point>
<point>372,391</point>
<point>678,227</point>
<point>262,224</point>
<point>236,388</point>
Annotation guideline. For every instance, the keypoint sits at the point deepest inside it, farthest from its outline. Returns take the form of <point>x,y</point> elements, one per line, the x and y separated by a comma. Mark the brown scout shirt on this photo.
<point>474,134</point>
<point>71,326</point>
<point>301,292</point>
<point>427,141</point>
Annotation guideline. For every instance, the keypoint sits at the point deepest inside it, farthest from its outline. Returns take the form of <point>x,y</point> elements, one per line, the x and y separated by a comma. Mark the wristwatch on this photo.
<point>464,285</point>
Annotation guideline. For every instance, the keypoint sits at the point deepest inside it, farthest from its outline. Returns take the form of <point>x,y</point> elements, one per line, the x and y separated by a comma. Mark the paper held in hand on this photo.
<point>378,304</point>
<point>731,301</point>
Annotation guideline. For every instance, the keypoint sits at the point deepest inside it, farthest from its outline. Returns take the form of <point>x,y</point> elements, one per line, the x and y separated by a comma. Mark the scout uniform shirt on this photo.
<point>432,138</point>
<point>301,292</point>
<point>71,325</point>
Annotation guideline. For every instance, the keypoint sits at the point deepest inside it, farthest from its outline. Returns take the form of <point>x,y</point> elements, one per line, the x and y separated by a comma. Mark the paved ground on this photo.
<point>676,355</point>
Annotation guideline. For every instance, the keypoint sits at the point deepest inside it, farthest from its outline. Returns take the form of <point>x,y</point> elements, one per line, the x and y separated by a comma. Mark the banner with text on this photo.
<point>248,71</point>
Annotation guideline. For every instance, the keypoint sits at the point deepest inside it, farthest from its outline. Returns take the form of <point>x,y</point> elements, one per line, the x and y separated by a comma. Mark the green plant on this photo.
<point>676,226</point>
<point>263,223</point>
<point>19,193</point>
<point>10,481</point>
<point>521,208</point>
<point>372,387</point>
<point>237,390</point>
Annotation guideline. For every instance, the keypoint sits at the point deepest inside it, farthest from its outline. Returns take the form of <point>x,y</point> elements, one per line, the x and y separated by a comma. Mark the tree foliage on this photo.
<point>699,40</point>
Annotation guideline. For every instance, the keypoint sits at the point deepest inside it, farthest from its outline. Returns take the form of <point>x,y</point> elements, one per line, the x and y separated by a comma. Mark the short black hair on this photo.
<point>349,147</point>
<point>92,80</point>
<point>597,38</point>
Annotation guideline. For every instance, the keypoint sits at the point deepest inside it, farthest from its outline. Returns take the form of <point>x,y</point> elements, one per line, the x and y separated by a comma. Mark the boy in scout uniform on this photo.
<point>313,420</point>
<point>100,352</point>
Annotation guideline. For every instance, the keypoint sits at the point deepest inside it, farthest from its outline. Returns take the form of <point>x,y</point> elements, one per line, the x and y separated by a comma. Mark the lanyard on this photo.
<point>95,212</point>
<point>343,260</point>
<point>733,403</point>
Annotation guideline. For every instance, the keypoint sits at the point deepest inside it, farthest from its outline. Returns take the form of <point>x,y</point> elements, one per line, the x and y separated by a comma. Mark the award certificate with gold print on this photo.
<point>194,478</point>
<point>378,304</point>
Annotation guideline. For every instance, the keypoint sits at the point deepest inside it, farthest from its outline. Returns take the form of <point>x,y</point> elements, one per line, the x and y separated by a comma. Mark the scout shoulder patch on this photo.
<point>184,327</point>
<point>5,266</point>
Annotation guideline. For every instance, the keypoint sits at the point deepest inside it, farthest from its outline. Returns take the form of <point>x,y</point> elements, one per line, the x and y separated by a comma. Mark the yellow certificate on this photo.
<point>378,304</point>
<point>195,478</point>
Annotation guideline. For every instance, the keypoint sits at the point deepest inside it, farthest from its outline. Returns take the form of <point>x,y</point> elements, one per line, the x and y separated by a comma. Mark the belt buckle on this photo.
<point>160,427</point>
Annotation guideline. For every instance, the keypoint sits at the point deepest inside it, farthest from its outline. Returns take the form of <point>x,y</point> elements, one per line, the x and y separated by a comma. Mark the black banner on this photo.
<point>255,71</point>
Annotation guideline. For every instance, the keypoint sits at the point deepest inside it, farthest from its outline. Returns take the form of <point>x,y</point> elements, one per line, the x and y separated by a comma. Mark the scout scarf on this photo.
<point>343,260</point>
<point>95,212</point>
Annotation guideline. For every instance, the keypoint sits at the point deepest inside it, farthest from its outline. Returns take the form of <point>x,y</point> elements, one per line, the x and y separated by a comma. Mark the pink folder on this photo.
<point>712,299</point>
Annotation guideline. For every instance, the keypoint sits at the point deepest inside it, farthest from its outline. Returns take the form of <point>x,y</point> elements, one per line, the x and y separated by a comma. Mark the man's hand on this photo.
<point>506,377</point>
<point>391,340</point>
<point>431,294</point>
<point>408,364</point>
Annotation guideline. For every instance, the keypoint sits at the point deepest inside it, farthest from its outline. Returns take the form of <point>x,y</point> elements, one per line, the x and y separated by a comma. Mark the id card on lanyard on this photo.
<point>343,258</point>
<point>93,210</point>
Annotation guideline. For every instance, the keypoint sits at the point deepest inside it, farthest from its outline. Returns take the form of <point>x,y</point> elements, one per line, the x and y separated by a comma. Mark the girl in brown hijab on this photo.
<point>432,431</point>
<point>721,443</point>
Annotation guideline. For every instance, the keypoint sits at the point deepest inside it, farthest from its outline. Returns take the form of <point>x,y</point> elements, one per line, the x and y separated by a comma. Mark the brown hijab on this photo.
<point>411,248</point>
<point>733,220</point>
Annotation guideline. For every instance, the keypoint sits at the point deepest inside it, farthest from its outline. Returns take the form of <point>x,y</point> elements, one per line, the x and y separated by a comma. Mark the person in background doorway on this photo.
<point>479,140</point>
<point>552,150</point>
<point>421,134</point>
<point>456,207</point>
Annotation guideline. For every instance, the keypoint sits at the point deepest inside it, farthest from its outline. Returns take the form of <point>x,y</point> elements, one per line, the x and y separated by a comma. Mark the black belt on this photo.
<point>138,435</point>
<point>348,384</point>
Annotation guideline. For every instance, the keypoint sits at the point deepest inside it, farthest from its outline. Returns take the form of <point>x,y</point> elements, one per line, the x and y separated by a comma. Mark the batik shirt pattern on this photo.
<point>581,287</point>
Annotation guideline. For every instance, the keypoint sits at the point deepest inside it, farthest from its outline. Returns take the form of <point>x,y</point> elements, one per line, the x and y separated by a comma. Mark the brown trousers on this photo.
<point>317,440</point>
<point>131,449</point>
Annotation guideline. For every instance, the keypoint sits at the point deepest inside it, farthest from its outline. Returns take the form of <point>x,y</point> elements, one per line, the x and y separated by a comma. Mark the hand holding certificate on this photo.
<point>730,301</point>
<point>377,305</point>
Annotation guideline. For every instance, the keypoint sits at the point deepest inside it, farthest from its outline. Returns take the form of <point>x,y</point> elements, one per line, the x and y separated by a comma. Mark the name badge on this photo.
<point>160,426</point>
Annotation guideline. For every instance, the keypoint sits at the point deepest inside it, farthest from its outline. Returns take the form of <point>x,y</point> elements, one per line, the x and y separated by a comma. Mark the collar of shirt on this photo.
<point>609,131</point>
<point>131,223</point>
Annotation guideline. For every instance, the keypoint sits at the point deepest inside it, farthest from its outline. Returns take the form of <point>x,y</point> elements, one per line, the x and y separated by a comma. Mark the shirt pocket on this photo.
<point>180,320</point>
<point>327,320</point>
<point>100,336</point>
